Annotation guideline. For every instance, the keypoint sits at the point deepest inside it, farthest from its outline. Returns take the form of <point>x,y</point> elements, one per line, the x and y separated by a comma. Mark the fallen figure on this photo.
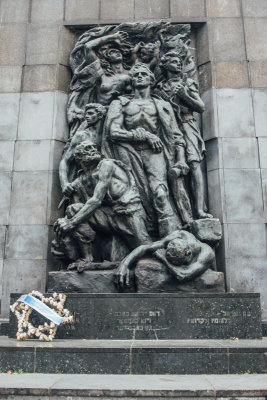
<point>184,256</point>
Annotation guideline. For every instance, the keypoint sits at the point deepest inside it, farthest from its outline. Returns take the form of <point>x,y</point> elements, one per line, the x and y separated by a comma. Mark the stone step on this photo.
<point>130,387</point>
<point>135,356</point>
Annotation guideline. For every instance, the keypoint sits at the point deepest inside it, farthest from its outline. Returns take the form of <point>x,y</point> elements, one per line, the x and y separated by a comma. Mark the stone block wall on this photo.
<point>35,42</point>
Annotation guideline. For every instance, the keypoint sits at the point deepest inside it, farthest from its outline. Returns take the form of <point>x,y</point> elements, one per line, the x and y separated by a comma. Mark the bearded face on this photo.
<point>87,153</point>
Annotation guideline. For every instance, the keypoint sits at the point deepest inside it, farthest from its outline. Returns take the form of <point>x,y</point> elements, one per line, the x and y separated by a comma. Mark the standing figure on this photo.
<point>183,94</point>
<point>93,113</point>
<point>141,132</point>
<point>100,78</point>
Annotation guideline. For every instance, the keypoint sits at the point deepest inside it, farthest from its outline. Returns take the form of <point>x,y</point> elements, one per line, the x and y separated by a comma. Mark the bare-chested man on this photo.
<point>92,114</point>
<point>109,203</point>
<point>142,131</point>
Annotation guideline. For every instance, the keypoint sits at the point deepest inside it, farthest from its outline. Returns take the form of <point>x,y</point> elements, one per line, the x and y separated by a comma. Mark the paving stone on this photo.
<point>225,8</point>
<point>10,79</point>
<point>254,8</point>
<point>12,44</point>
<point>205,77</point>
<point>216,194</point>
<point>14,281</point>
<point>249,275</point>
<point>54,198</point>
<point>21,357</point>
<point>60,125</point>
<point>47,11</point>
<point>210,115</point>
<point>255,33</point>
<point>232,75</point>
<point>203,35</point>
<point>63,78</point>
<point>228,39</point>
<point>263,152</point>
<point>184,8</point>
<point>29,198</point>
<point>9,110</point>
<point>36,116</point>
<point>42,44</point>
<point>14,10</point>
<point>5,184</point>
<point>247,240</point>
<point>235,113</point>
<point>39,78</point>
<point>81,9</point>
<point>2,240</point>
<point>243,187</point>
<point>151,9</point>
<point>153,363</point>
<point>240,153</point>
<point>115,9</point>
<point>27,242</point>
<point>259,105</point>
<point>83,361</point>
<point>258,71</point>
<point>214,154</point>
<point>67,41</point>
<point>32,155</point>
<point>1,278</point>
<point>6,155</point>
<point>56,150</point>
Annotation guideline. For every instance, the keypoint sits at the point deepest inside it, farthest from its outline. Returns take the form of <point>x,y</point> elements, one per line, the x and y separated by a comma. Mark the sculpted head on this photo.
<point>147,52</point>
<point>172,61</point>
<point>113,55</point>
<point>178,252</point>
<point>141,76</point>
<point>93,112</point>
<point>87,153</point>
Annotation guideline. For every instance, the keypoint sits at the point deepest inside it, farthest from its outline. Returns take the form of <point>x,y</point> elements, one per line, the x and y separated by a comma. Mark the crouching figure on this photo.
<point>107,201</point>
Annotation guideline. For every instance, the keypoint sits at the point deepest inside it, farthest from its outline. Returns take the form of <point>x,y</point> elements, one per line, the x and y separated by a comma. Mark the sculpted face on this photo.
<point>147,52</point>
<point>174,64</point>
<point>114,56</point>
<point>87,153</point>
<point>92,116</point>
<point>141,78</point>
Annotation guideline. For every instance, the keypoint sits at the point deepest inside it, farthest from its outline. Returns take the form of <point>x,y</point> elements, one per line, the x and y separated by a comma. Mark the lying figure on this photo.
<point>184,256</point>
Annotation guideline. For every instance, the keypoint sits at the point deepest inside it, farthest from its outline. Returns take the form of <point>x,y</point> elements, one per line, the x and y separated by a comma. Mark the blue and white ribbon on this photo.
<point>41,308</point>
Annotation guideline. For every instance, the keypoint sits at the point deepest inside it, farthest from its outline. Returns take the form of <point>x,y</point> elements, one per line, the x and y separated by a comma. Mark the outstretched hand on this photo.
<point>123,275</point>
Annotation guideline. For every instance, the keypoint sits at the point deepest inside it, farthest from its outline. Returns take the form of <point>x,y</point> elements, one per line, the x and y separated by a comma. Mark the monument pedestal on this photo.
<point>168,316</point>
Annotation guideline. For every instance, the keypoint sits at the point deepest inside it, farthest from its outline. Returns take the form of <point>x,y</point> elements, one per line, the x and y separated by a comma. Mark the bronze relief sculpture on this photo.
<point>130,174</point>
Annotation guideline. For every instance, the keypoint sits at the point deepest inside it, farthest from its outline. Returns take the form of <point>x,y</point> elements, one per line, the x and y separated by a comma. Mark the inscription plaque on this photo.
<point>161,316</point>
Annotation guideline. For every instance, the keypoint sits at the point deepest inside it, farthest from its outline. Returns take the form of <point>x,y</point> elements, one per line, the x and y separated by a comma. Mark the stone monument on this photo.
<point>131,177</point>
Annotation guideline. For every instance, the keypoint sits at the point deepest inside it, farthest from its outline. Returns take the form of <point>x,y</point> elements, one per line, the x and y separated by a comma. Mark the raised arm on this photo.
<point>90,46</point>
<point>64,165</point>
<point>189,93</point>
<point>105,176</point>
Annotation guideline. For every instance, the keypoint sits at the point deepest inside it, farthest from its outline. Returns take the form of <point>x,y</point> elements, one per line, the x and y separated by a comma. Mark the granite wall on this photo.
<point>36,37</point>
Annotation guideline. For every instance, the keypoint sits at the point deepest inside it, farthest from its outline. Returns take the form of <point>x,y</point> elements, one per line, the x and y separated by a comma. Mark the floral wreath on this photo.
<point>45,331</point>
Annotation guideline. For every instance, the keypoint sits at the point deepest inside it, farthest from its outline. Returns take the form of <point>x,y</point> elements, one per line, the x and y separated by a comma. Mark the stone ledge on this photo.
<point>119,386</point>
